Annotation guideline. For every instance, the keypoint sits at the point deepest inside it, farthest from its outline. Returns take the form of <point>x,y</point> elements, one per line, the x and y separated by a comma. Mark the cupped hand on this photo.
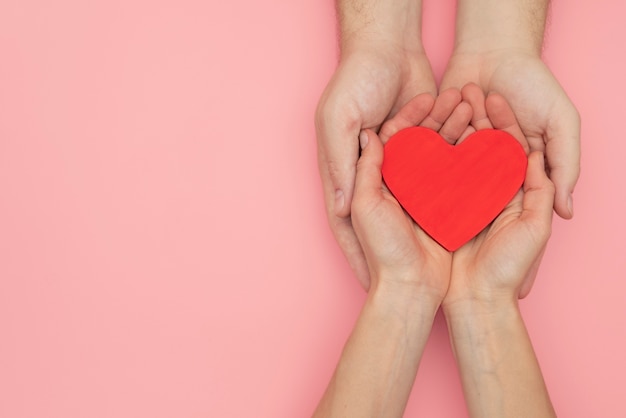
<point>500,263</point>
<point>398,252</point>
<point>371,84</point>
<point>546,115</point>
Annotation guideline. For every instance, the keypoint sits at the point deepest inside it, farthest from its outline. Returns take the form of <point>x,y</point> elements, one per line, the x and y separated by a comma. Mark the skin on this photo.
<point>383,64</point>
<point>498,367</point>
<point>498,46</point>
<point>409,279</point>
<point>412,276</point>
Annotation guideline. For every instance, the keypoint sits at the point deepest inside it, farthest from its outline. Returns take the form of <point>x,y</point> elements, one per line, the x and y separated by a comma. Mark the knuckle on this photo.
<point>335,170</point>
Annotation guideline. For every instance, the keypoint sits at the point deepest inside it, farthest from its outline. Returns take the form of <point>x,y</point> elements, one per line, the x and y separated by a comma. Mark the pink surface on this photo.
<point>163,245</point>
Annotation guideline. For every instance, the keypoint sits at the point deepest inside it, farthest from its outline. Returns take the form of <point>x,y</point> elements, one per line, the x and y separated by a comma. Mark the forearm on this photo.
<point>396,23</point>
<point>380,360</point>
<point>493,25</point>
<point>499,370</point>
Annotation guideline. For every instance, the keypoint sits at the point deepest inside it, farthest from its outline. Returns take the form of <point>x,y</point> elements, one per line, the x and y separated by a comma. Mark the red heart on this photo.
<point>453,192</point>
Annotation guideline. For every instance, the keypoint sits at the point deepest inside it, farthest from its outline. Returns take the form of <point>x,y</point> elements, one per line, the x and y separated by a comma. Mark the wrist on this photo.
<point>485,26</point>
<point>495,45</point>
<point>407,301</point>
<point>478,322</point>
<point>470,296</point>
<point>480,311</point>
<point>498,367</point>
<point>393,25</point>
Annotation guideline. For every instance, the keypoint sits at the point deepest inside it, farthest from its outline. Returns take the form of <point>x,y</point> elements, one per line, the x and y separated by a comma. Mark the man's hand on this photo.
<point>498,47</point>
<point>382,66</point>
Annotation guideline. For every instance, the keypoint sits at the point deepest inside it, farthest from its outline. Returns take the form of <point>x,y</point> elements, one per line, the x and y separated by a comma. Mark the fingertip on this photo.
<point>363,139</point>
<point>369,140</point>
<point>564,178</point>
<point>471,90</point>
<point>368,170</point>
<point>563,200</point>
<point>564,205</point>
<point>425,100</point>
<point>451,94</point>
<point>428,100</point>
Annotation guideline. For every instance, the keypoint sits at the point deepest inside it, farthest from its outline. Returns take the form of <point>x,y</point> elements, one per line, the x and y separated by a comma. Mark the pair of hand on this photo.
<point>499,263</point>
<point>412,276</point>
<point>371,85</point>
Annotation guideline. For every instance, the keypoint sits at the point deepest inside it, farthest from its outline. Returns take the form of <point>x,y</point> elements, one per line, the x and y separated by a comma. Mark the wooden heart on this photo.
<point>453,192</point>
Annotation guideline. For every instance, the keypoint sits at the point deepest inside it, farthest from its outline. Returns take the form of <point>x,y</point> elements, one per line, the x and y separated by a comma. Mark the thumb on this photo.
<point>337,156</point>
<point>538,196</point>
<point>368,183</point>
<point>563,154</point>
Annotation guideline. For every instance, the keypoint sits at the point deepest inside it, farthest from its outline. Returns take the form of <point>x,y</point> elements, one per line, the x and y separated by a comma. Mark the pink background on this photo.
<point>164,250</point>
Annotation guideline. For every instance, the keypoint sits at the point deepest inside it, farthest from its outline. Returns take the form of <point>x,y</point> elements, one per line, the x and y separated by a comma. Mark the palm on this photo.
<point>497,255</point>
<point>368,87</point>
<point>502,259</point>
<point>393,239</point>
<point>394,243</point>
<point>545,114</point>
<point>534,95</point>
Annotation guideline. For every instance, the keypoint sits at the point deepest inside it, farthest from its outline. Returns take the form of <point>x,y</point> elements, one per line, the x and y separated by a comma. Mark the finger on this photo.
<point>474,95</point>
<point>338,152</point>
<point>337,140</point>
<point>349,244</point>
<point>563,155</point>
<point>467,132</point>
<point>445,104</point>
<point>538,198</point>
<point>457,123</point>
<point>368,185</point>
<point>503,118</point>
<point>411,114</point>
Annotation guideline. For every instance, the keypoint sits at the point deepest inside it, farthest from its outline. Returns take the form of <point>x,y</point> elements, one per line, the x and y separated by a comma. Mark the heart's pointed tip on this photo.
<point>451,247</point>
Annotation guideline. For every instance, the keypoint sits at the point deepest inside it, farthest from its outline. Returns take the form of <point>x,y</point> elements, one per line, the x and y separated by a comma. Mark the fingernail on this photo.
<point>339,200</point>
<point>570,205</point>
<point>363,139</point>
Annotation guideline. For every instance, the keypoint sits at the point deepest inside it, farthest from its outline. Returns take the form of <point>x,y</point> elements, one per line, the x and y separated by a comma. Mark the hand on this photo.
<point>372,82</point>
<point>498,368</point>
<point>547,117</point>
<point>395,247</point>
<point>409,277</point>
<point>501,262</point>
